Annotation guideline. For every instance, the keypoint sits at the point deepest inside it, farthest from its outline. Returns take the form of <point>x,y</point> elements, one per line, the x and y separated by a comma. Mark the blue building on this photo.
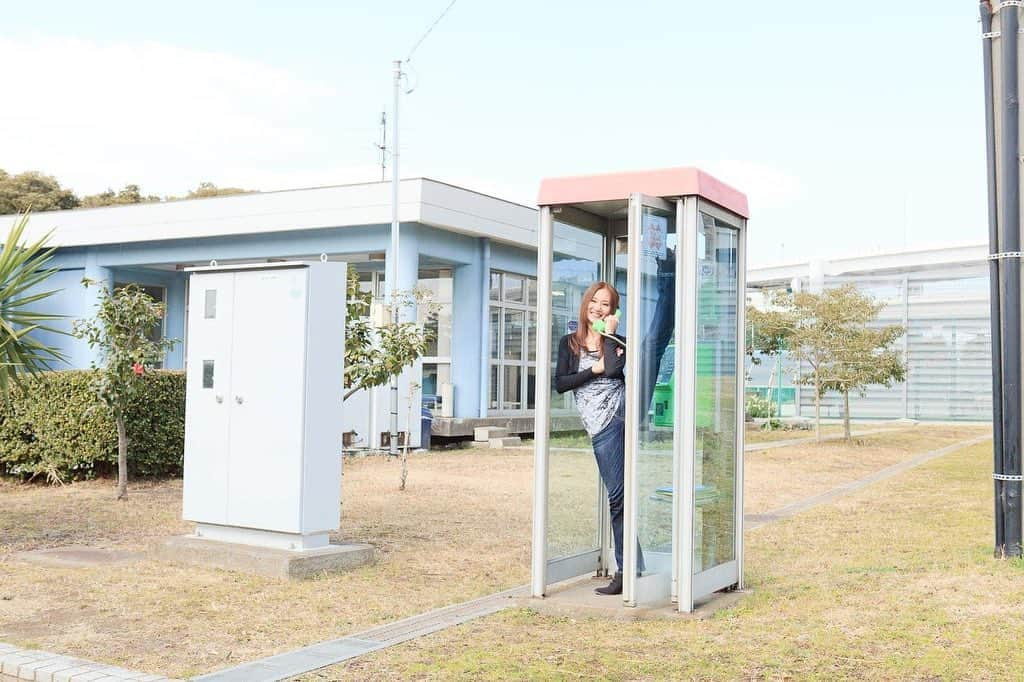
<point>475,252</point>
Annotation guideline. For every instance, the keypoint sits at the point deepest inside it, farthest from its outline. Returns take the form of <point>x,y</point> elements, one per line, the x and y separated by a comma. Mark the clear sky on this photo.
<point>853,128</point>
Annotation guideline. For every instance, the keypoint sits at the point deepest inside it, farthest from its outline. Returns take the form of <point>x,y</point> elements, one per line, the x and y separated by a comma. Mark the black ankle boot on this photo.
<point>614,587</point>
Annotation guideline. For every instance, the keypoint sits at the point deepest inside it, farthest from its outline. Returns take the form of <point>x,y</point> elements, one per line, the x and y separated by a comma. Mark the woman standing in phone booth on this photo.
<point>590,364</point>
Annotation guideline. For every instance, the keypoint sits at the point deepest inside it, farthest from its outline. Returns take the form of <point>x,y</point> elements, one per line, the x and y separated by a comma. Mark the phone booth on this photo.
<point>672,243</point>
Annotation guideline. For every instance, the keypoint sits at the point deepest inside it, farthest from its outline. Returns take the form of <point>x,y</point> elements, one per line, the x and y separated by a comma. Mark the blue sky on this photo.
<point>853,129</point>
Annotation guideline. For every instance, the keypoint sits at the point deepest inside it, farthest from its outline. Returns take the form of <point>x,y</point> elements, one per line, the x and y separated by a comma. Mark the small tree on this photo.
<point>831,334</point>
<point>121,331</point>
<point>404,474</point>
<point>375,353</point>
<point>767,334</point>
<point>23,270</point>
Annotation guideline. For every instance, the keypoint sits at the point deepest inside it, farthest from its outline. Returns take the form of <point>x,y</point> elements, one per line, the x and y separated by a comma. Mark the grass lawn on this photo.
<point>460,531</point>
<point>893,582</point>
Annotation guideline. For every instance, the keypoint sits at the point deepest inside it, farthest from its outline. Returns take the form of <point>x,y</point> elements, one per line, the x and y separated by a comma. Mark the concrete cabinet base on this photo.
<point>265,561</point>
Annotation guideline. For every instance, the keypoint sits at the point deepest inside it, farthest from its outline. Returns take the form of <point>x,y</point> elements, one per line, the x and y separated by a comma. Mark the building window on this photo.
<point>373,282</point>
<point>434,375</point>
<point>158,294</point>
<point>512,330</point>
<point>437,359</point>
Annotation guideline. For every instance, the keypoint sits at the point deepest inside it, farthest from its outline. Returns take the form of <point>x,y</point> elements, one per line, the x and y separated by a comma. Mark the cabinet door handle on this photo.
<point>239,399</point>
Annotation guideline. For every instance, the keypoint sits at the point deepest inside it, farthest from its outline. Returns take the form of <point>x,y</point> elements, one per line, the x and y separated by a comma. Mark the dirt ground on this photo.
<point>460,531</point>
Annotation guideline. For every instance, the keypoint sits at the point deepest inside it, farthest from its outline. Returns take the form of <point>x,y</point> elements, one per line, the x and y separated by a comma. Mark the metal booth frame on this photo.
<point>684,194</point>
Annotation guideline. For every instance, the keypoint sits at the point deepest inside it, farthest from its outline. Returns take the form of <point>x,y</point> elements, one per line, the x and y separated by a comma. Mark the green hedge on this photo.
<point>56,428</point>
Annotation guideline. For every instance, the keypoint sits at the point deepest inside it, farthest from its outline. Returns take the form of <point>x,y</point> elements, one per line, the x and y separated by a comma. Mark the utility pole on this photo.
<point>383,146</point>
<point>392,275</point>
<point>1000,48</point>
<point>393,260</point>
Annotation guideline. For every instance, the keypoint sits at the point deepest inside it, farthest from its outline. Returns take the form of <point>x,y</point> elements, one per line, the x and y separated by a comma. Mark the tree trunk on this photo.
<point>122,458</point>
<point>846,416</point>
<point>817,409</point>
<point>404,465</point>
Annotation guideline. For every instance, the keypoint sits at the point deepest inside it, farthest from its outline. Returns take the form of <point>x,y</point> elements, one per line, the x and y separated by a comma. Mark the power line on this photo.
<point>424,36</point>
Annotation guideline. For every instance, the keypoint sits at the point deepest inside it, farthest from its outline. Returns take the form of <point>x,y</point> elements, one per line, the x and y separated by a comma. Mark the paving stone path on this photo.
<point>40,666</point>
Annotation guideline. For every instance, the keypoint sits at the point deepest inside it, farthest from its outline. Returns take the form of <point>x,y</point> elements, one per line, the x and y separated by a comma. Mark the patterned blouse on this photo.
<point>598,399</point>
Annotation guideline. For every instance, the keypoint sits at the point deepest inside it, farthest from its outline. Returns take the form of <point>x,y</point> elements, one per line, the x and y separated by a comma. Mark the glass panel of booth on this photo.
<point>715,385</point>
<point>573,505</point>
<point>655,331</point>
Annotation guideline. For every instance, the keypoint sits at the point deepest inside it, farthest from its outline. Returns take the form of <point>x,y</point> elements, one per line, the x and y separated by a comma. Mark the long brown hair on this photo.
<point>578,341</point>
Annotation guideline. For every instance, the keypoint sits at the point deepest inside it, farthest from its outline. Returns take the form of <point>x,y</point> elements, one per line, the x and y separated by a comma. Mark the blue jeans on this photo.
<point>610,453</point>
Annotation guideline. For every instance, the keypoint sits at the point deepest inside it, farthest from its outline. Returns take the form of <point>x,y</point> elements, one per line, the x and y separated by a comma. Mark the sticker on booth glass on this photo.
<point>654,243</point>
<point>572,326</point>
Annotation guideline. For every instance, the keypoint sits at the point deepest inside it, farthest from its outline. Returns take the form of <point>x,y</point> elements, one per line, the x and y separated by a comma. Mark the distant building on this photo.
<point>941,296</point>
<point>477,254</point>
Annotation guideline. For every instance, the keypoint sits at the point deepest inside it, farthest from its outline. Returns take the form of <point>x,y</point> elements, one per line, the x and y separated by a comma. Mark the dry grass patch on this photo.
<point>780,476</point>
<point>757,435</point>
<point>895,582</point>
<point>86,513</point>
<point>761,436</point>
<point>461,530</point>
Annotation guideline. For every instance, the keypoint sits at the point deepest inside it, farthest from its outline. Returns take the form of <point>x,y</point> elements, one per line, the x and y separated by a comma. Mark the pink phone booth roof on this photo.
<point>668,182</point>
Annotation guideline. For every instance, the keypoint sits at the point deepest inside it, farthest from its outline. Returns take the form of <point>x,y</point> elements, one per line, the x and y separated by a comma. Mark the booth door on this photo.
<point>576,506</point>
<point>651,425</point>
<point>717,408</point>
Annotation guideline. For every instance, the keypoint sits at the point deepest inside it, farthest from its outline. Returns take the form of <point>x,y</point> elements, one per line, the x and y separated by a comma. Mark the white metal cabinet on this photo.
<point>263,403</point>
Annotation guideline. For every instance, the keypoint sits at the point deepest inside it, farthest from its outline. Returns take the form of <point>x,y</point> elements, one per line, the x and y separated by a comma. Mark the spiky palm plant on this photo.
<point>23,268</point>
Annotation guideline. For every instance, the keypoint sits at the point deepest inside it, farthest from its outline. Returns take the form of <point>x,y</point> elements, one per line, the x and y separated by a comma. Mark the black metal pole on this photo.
<point>1010,280</point>
<point>993,247</point>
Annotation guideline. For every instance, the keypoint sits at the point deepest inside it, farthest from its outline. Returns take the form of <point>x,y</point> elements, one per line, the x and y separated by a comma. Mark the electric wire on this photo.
<point>427,33</point>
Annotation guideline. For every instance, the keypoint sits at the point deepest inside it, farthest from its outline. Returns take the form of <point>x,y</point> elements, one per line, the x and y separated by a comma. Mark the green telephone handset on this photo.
<point>599,326</point>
